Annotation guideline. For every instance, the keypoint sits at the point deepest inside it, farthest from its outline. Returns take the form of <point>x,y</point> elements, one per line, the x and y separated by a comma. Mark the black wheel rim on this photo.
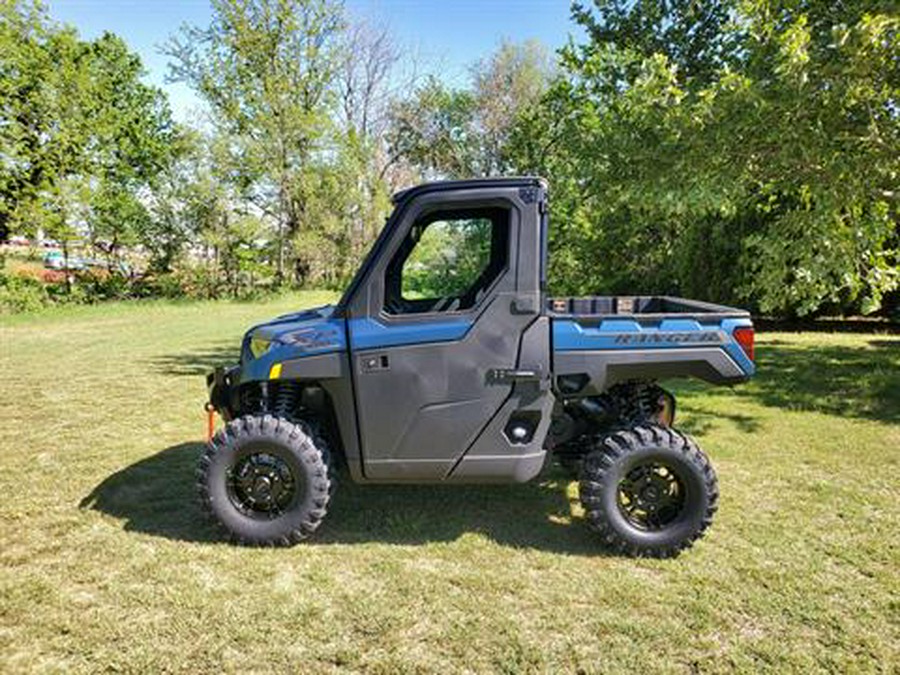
<point>261,485</point>
<point>652,496</point>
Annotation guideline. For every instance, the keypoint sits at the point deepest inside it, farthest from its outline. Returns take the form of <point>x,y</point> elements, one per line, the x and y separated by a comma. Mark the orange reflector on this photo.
<point>210,422</point>
<point>744,337</point>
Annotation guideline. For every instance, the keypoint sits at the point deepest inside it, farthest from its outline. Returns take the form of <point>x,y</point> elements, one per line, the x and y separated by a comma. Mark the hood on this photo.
<point>286,322</point>
<point>298,334</point>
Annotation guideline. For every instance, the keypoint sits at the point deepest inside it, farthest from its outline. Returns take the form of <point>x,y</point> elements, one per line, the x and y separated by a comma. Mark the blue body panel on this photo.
<point>675,333</point>
<point>307,333</point>
<point>317,331</point>
<point>367,333</point>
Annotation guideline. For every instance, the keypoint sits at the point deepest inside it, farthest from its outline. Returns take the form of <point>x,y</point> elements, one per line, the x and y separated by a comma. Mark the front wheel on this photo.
<point>265,480</point>
<point>648,491</point>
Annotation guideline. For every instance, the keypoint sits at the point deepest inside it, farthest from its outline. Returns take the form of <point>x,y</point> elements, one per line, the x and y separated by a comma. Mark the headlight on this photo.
<point>259,346</point>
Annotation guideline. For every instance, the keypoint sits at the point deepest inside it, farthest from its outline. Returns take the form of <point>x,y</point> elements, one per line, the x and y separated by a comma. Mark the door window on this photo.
<point>448,261</point>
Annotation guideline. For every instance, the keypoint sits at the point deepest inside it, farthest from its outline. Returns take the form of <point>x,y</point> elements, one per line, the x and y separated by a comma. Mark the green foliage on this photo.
<point>19,293</point>
<point>347,203</point>
<point>447,259</point>
<point>81,137</point>
<point>24,290</point>
<point>743,151</point>
<point>78,126</point>
<point>458,133</point>
<point>265,69</point>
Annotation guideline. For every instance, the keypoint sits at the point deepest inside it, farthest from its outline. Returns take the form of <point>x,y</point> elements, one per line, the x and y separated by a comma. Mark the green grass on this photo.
<point>106,564</point>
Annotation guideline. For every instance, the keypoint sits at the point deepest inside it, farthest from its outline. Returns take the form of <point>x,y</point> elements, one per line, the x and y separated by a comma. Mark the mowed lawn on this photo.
<point>106,563</point>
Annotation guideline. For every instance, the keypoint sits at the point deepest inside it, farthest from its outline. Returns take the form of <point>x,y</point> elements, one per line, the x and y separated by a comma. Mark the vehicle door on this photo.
<point>449,351</point>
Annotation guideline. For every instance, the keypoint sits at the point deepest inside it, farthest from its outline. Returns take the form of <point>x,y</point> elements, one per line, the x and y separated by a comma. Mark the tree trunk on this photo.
<point>279,271</point>
<point>65,248</point>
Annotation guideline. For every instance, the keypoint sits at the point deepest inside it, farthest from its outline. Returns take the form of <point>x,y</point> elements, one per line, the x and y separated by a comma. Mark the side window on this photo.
<point>448,261</point>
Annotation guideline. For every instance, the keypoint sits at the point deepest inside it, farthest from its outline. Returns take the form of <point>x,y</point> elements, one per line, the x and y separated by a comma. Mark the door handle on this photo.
<point>512,375</point>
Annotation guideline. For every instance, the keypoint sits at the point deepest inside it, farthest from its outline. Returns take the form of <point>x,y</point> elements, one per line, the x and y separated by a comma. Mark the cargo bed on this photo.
<point>649,306</point>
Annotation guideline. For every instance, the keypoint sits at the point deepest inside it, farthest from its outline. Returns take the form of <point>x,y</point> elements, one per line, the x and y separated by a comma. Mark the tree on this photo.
<point>133,141</point>
<point>368,59</point>
<point>24,61</point>
<point>266,70</point>
<point>760,170</point>
<point>506,84</point>
<point>81,135</point>
<point>697,38</point>
<point>463,133</point>
<point>434,131</point>
<point>363,171</point>
<point>178,208</point>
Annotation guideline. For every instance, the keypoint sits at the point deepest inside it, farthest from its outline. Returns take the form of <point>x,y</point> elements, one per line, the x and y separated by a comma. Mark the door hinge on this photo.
<point>526,304</point>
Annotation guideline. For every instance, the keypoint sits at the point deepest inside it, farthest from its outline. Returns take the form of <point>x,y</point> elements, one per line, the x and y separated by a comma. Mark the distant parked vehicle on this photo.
<point>54,260</point>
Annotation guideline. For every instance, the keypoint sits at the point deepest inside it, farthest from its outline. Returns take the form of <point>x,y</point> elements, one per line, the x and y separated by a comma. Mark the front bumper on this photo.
<point>222,385</point>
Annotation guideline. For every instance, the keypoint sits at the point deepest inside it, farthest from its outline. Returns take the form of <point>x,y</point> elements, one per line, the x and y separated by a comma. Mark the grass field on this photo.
<point>106,564</point>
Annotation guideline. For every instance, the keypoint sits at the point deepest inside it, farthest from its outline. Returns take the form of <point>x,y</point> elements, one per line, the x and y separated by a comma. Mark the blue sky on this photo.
<point>449,35</point>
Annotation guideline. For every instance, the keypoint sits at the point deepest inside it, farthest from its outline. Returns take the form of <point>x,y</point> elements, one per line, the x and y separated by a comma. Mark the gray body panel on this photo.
<point>317,367</point>
<point>604,368</point>
<point>418,416</point>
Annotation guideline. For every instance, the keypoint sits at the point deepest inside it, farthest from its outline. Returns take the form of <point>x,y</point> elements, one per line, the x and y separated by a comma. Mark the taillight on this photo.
<point>744,337</point>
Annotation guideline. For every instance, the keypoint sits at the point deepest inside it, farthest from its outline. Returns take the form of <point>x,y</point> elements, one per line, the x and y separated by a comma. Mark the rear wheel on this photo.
<point>265,480</point>
<point>648,491</point>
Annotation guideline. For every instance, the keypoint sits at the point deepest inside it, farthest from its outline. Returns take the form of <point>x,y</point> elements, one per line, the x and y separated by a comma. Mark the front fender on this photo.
<point>222,385</point>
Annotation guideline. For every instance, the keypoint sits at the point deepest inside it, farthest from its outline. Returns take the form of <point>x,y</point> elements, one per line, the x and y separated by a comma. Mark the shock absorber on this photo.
<point>647,401</point>
<point>284,402</point>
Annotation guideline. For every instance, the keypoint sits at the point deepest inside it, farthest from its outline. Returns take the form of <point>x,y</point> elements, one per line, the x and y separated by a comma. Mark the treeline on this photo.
<point>741,151</point>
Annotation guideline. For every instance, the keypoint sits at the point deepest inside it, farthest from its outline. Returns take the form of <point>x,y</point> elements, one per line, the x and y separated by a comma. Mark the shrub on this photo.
<point>161,285</point>
<point>101,284</point>
<point>21,293</point>
<point>199,281</point>
<point>52,276</point>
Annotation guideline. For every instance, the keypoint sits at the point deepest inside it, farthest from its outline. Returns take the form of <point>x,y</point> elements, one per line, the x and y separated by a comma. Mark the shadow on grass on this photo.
<point>699,422</point>
<point>861,382</point>
<point>196,362</point>
<point>156,496</point>
<point>845,381</point>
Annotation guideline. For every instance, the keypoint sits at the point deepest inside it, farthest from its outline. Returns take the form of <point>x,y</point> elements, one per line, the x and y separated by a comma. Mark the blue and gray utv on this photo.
<point>446,362</point>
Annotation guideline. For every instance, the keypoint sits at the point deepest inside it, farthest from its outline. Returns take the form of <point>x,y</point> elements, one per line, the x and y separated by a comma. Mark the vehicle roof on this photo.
<point>505,181</point>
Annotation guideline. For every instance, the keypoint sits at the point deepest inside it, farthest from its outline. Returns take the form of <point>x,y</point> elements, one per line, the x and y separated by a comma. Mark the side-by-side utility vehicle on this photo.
<point>446,362</point>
